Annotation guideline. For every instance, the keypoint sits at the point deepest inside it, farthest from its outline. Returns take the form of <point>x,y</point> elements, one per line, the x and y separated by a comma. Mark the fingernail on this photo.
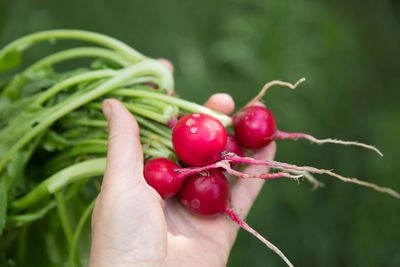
<point>107,110</point>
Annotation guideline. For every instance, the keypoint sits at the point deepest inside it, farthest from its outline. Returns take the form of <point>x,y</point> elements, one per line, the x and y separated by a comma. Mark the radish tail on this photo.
<point>275,164</point>
<point>264,176</point>
<point>344,179</point>
<point>246,227</point>
<point>307,175</point>
<point>185,172</point>
<point>270,84</point>
<point>284,135</point>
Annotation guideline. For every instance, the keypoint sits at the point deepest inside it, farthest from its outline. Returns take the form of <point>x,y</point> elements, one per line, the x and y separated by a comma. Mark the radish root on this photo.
<point>246,227</point>
<point>225,165</point>
<point>270,84</point>
<point>275,164</point>
<point>264,176</point>
<point>342,178</point>
<point>308,176</point>
<point>284,135</point>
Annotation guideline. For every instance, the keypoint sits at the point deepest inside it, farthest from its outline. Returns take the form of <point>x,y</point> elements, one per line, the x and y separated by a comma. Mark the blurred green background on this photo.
<point>349,51</point>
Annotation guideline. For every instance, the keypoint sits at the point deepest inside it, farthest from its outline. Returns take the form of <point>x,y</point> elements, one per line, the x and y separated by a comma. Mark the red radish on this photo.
<point>160,174</point>
<point>233,146</point>
<point>198,139</point>
<point>255,126</point>
<point>207,195</point>
<point>166,177</point>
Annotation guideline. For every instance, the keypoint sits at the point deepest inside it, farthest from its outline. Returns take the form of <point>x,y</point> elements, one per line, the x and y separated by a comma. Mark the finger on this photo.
<point>221,102</point>
<point>167,63</point>
<point>125,156</point>
<point>245,190</point>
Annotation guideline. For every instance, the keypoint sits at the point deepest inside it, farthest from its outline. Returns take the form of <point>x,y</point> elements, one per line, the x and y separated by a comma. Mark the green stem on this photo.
<point>73,247</point>
<point>150,136</point>
<point>74,102</point>
<point>85,122</point>
<point>160,129</point>
<point>153,108</point>
<point>88,76</point>
<point>138,109</point>
<point>160,105</point>
<point>186,105</point>
<point>57,181</point>
<point>57,138</point>
<point>160,139</point>
<point>92,142</point>
<point>65,223</point>
<point>22,238</point>
<point>61,159</point>
<point>24,42</point>
<point>153,143</point>
<point>155,153</point>
<point>65,55</point>
<point>89,137</point>
<point>142,80</point>
<point>63,215</point>
<point>23,219</point>
<point>78,52</point>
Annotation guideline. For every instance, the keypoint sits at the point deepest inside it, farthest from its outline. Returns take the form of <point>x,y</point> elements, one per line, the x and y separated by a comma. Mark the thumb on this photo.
<point>124,167</point>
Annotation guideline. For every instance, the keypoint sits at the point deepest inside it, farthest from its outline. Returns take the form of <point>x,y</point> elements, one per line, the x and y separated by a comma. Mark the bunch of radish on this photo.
<point>53,136</point>
<point>205,149</point>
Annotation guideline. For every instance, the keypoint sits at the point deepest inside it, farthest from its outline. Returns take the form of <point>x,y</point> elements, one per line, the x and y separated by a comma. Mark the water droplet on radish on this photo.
<point>190,122</point>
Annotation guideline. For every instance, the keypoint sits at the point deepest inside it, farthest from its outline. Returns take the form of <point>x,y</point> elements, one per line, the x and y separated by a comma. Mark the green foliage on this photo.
<point>53,127</point>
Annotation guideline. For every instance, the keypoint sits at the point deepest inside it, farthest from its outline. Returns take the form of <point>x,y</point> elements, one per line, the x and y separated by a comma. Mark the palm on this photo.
<point>188,234</point>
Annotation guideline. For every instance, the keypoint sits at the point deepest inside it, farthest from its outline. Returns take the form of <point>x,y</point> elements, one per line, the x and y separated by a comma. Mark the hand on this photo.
<point>133,226</point>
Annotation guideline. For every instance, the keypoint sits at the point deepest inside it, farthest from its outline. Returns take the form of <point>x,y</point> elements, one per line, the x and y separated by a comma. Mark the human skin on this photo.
<point>133,226</point>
